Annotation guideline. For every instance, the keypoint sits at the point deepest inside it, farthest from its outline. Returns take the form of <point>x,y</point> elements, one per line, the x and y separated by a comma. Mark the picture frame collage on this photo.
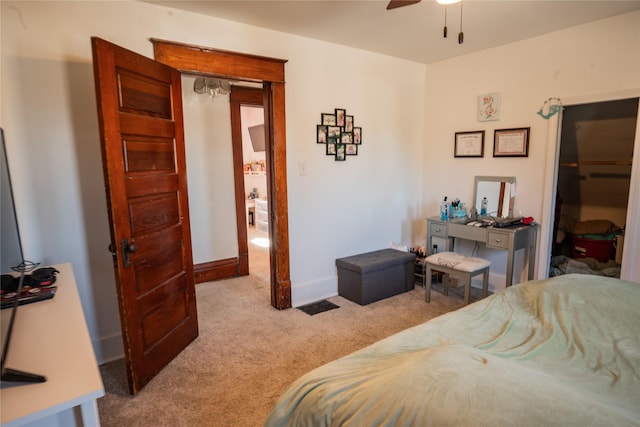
<point>338,132</point>
<point>506,143</point>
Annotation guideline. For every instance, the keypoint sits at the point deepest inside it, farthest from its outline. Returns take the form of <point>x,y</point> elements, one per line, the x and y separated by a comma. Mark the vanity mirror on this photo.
<point>497,194</point>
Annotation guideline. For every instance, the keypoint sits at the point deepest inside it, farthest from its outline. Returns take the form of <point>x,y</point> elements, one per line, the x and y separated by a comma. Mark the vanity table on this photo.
<point>510,239</point>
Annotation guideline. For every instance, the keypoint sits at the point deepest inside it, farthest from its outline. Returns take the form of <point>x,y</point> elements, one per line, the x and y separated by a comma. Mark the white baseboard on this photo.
<point>316,290</point>
<point>109,348</point>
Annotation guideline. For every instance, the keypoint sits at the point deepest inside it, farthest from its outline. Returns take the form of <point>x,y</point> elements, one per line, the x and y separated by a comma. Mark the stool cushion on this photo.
<point>457,261</point>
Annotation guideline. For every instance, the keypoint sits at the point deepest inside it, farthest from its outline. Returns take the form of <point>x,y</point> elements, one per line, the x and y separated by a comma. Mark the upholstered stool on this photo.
<point>459,266</point>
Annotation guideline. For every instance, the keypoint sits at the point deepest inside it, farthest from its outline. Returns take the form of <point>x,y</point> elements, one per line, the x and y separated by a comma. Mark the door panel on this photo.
<point>140,114</point>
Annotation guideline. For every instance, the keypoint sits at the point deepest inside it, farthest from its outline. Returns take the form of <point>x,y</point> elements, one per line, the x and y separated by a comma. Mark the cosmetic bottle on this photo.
<point>444,210</point>
<point>483,207</point>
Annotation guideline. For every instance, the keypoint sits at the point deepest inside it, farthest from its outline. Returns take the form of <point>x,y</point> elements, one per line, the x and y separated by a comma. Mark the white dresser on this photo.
<point>262,215</point>
<point>51,338</point>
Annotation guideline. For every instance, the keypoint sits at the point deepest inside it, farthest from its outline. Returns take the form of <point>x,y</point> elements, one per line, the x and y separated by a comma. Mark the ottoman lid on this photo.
<point>376,260</point>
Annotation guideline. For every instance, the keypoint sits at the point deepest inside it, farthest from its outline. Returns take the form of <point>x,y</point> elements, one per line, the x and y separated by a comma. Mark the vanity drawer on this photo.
<point>438,229</point>
<point>498,239</point>
<point>468,232</point>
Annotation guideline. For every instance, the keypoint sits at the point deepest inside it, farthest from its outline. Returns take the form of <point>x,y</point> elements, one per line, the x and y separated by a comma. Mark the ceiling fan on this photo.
<point>400,3</point>
<point>394,4</point>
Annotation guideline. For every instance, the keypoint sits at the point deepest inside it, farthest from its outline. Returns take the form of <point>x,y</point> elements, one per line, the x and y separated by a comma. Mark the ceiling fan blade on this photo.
<point>393,4</point>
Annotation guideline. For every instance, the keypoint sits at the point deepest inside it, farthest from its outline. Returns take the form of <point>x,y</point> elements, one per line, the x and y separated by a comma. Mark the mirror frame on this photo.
<point>510,179</point>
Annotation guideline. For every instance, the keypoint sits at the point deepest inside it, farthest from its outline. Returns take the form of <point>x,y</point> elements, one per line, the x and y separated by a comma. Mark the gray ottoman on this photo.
<point>373,276</point>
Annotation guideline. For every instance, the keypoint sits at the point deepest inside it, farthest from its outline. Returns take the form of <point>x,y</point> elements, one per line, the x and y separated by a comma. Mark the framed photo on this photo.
<point>328,119</point>
<point>321,134</point>
<point>340,116</point>
<point>357,135</point>
<point>346,137</point>
<point>469,144</point>
<point>333,134</point>
<point>511,142</point>
<point>348,123</point>
<point>351,149</point>
<point>331,149</point>
<point>341,153</point>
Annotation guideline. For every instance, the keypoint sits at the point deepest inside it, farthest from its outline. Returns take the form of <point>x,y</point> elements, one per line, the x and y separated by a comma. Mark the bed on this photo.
<point>561,351</point>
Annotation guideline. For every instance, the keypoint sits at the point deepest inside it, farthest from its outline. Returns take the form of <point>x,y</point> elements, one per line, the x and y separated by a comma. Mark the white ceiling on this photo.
<point>412,32</point>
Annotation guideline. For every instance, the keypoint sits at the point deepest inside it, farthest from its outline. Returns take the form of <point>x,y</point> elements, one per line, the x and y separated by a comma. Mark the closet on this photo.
<point>594,175</point>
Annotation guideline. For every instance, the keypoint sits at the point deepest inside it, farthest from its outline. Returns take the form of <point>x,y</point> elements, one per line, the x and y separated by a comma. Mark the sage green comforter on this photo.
<point>557,352</point>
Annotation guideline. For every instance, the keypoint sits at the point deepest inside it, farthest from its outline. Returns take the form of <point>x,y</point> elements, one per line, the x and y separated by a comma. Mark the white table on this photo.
<point>51,338</point>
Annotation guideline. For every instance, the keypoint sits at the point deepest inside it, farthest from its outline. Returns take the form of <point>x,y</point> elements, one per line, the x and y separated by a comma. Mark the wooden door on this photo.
<point>142,139</point>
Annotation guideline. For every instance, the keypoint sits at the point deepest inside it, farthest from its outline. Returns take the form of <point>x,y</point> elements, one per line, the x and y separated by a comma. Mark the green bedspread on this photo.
<point>556,352</point>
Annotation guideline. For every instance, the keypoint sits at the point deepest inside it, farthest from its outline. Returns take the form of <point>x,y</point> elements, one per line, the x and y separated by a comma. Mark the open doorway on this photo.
<point>224,119</point>
<point>269,72</point>
<point>592,191</point>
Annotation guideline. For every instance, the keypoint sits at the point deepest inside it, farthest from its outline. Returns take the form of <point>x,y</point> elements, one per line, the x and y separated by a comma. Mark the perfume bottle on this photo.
<point>444,209</point>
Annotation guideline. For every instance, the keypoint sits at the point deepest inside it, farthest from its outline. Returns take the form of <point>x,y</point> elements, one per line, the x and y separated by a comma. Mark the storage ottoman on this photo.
<point>373,276</point>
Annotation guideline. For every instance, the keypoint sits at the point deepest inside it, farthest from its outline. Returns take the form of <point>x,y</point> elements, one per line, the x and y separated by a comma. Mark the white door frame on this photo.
<point>630,270</point>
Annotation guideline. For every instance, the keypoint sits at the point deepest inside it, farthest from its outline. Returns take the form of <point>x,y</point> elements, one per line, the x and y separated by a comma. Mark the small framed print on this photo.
<point>469,144</point>
<point>341,153</point>
<point>331,149</point>
<point>346,137</point>
<point>333,134</point>
<point>348,123</point>
<point>351,149</point>
<point>489,107</point>
<point>321,134</point>
<point>511,142</point>
<point>328,119</point>
<point>340,116</point>
<point>357,135</point>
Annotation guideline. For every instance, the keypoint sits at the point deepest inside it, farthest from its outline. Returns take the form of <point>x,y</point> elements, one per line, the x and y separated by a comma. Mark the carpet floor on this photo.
<point>247,353</point>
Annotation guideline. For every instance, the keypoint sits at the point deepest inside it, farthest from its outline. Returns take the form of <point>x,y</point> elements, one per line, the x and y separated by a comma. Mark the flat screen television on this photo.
<point>14,269</point>
<point>256,133</point>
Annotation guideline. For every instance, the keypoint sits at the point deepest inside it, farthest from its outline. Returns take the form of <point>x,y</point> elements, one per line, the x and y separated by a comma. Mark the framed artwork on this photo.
<point>489,107</point>
<point>340,116</point>
<point>321,134</point>
<point>328,119</point>
<point>333,133</point>
<point>337,132</point>
<point>469,144</point>
<point>341,153</point>
<point>357,135</point>
<point>511,142</point>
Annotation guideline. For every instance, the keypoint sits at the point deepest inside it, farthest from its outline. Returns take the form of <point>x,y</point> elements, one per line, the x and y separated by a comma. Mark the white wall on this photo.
<point>336,209</point>
<point>597,58</point>
<point>209,153</point>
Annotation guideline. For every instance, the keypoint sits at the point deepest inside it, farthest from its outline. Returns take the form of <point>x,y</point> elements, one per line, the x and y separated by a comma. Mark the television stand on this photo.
<point>51,337</point>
